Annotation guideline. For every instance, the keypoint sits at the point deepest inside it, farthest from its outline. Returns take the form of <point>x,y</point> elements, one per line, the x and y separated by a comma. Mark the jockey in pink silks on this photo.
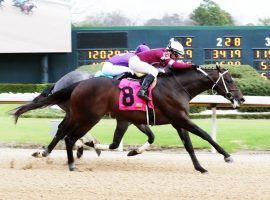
<point>148,61</point>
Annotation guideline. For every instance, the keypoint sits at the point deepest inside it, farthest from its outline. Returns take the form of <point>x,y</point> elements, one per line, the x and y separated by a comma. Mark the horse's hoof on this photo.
<point>90,144</point>
<point>202,170</point>
<point>80,152</point>
<point>79,155</point>
<point>228,159</point>
<point>36,154</point>
<point>205,172</point>
<point>72,167</point>
<point>133,153</point>
<point>45,153</point>
<point>98,151</point>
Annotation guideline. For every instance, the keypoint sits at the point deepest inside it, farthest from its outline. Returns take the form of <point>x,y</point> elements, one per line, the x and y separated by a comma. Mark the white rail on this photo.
<point>210,101</point>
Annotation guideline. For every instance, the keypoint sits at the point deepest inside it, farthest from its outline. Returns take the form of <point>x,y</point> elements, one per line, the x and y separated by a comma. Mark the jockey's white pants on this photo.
<point>139,66</point>
<point>114,70</point>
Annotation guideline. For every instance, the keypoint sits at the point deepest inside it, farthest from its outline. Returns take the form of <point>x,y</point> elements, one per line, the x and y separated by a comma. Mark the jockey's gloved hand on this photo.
<point>167,70</point>
<point>195,66</point>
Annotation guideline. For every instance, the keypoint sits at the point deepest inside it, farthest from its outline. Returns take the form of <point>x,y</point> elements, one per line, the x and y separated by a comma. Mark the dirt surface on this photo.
<point>152,175</point>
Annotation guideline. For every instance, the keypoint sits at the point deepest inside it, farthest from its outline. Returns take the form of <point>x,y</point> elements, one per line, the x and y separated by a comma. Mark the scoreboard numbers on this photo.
<point>227,51</point>
<point>202,45</point>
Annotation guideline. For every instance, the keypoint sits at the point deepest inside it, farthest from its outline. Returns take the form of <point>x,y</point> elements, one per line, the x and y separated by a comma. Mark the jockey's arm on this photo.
<point>177,64</point>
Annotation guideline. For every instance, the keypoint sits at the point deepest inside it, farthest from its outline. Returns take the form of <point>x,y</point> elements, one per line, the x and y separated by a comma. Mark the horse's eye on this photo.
<point>229,81</point>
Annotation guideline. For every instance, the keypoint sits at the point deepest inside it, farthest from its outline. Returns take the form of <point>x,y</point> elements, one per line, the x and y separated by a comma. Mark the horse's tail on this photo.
<point>53,99</point>
<point>46,92</point>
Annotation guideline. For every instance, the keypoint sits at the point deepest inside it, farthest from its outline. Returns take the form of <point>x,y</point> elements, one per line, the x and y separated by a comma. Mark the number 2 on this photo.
<point>219,42</point>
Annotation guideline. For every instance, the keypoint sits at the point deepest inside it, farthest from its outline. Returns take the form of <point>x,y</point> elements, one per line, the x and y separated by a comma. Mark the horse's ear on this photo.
<point>218,68</point>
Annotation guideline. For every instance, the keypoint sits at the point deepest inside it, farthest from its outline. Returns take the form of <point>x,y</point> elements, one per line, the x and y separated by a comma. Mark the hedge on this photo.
<point>22,88</point>
<point>31,88</point>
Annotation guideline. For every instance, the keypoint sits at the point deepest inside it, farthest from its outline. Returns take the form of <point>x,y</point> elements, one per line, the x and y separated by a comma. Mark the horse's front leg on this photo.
<point>151,137</point>
<point>193,128</point>
<point>184,136</point>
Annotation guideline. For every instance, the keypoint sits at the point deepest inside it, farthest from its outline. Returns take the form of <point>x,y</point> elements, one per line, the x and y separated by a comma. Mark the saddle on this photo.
<point>135,76</point>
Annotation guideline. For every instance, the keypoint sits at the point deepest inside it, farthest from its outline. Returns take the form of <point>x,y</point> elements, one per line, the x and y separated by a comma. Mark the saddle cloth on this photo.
<point>128,99</point>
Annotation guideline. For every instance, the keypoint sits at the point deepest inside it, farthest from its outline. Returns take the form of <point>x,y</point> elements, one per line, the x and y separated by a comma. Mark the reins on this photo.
<point>227,92</point>
<point>179,83</point>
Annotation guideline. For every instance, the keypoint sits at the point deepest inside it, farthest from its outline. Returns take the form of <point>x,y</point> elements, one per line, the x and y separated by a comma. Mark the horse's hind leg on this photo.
<point>88,141</point>
<point>151,137</point>
<point>60,134</point>
<point>76,133</point>
<point>147,131</point>
<point>70,141</point>
<point>184,135</point>
<point>120,130</point>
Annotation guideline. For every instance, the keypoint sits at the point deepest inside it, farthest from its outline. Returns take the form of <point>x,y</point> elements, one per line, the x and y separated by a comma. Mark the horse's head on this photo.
<point>225,86</point>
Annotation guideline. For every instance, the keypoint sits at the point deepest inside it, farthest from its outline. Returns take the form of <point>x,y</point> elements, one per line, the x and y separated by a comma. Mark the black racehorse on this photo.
<point>93,98</point>
<point>63,82</point>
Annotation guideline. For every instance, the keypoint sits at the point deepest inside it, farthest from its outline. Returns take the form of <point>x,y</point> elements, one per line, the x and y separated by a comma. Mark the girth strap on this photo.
<point>150,116</point>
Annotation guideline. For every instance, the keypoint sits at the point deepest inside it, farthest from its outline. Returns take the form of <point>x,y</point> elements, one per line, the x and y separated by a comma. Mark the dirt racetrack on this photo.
<point>153,175</point>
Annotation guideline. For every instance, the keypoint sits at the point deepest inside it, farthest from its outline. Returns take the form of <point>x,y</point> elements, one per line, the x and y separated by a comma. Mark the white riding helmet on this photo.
<point>175,47</point>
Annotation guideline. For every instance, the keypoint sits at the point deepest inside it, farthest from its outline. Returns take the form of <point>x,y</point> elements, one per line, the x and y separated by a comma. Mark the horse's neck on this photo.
<point>196,82</point>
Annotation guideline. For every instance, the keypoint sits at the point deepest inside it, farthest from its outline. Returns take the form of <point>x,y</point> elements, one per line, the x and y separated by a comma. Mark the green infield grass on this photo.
<point>232,134</point>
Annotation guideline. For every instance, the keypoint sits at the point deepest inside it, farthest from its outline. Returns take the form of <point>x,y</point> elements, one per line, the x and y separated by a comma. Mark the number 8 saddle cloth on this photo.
<point>128,99</point>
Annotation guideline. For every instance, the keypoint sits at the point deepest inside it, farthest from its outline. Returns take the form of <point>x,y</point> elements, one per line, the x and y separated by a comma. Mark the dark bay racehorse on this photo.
<point>94,98</point>
<point>65,81</point>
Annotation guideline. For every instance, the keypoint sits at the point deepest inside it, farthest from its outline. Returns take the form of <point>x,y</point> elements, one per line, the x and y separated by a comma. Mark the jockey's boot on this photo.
<point>143,92</point>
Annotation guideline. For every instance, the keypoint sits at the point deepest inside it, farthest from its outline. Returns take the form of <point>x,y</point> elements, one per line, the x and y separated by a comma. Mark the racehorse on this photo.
<point>93,98</point>
<point>65,81</point>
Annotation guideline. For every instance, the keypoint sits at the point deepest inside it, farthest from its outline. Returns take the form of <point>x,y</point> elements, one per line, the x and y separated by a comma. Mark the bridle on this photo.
<point>228,92</point>
<point>228,95</point>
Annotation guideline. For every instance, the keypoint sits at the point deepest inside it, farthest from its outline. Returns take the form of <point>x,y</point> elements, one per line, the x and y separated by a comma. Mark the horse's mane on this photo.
<point>181,71</point>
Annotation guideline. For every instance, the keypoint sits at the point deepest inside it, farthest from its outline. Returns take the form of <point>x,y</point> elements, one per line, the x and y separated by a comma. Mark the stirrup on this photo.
<point>143,95</point>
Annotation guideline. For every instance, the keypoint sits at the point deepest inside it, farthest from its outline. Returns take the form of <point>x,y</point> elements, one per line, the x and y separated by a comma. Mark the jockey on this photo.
<point>148,61</point>
<point>118,64</point>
